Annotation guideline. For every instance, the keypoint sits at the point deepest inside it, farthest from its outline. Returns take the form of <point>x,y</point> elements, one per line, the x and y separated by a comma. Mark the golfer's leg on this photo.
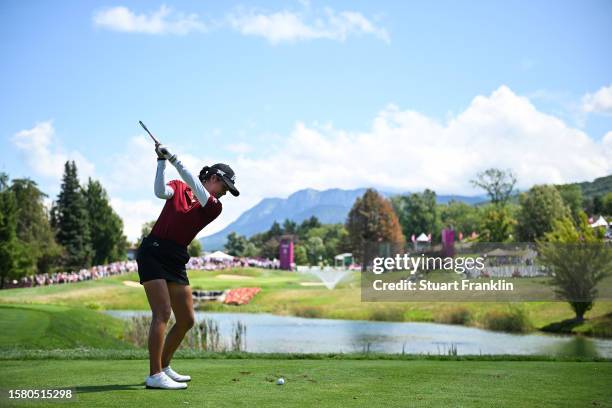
<point>182,306</point>
<point>159,300</point>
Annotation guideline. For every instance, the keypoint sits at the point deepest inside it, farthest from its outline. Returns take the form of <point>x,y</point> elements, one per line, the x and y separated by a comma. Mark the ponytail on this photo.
<point>205,173</point>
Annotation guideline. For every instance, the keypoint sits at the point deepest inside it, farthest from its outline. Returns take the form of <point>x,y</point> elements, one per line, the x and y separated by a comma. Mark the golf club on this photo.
<point>150,134</point>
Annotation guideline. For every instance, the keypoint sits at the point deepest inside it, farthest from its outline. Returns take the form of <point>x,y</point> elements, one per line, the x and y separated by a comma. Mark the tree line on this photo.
<point>314,243</point>
<point>506,216</point>
<point>80,230</point>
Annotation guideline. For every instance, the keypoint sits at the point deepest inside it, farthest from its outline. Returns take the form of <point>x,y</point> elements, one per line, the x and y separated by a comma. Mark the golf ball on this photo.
<point>280,381</point>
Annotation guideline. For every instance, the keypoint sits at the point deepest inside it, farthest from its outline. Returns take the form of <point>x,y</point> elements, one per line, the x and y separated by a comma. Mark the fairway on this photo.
<point>323,383</point>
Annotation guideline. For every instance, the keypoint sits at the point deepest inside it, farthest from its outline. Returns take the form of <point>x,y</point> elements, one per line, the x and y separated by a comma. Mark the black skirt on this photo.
<point>162,259</point>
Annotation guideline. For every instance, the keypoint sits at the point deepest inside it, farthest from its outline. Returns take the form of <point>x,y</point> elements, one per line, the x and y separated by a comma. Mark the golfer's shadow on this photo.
<point>85,389</point>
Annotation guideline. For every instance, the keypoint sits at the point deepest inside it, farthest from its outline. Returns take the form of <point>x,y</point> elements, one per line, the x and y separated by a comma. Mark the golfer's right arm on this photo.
<point>196,185</point>
<point>161,189</point>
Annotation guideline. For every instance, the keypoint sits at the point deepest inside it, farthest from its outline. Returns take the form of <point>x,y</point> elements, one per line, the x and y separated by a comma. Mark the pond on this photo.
<point>267,333</point>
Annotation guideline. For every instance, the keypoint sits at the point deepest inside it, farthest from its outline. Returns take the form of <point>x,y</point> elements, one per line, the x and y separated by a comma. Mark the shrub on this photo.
<point>455,315</point>
<point>93,306</point>
<point>307,311</point>
<point>387,314</point>
<point>514,320</point>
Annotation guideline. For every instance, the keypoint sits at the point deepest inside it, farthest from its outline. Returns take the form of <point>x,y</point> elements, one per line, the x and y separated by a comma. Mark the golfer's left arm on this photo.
<point>196,185</point>
<point>160,187</point>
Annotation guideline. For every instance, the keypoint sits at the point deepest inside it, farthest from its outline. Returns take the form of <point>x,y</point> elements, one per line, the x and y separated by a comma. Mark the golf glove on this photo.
<point>160,155</point>
<point>166,153</point>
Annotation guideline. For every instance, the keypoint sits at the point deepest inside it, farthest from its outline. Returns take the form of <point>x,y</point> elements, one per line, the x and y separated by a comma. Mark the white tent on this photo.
<point>601,222</point>
<point>340,257</point>
<point>219,256</point>
<point>422,238</point>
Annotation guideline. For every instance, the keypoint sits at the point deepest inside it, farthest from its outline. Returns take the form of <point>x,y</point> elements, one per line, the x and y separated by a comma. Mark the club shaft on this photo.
<point>150,134</point>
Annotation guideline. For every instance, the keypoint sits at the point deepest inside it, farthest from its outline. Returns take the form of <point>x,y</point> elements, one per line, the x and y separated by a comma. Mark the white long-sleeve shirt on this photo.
<point>165,192</point>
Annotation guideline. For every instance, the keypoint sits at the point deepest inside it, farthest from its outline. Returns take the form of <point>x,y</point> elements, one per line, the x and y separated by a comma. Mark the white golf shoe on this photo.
<point>175,376</point>
<point>163,382</point>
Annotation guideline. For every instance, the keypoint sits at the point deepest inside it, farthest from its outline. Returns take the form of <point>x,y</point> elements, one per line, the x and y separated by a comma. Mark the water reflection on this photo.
<point>285,334</point>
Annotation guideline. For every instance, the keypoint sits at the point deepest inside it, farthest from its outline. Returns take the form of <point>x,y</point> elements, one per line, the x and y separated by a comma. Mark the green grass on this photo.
<point>321,383</point>
<point>57,327</point>
<point>283,294</point>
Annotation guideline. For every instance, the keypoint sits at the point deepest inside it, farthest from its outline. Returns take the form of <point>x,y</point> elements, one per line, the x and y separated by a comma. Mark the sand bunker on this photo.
<point>312,284</point>
<point>234,277</point>
<point>132,284</point>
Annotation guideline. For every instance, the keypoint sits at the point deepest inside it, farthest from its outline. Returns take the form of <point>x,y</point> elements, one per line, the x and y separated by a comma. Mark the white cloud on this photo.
<point>135,213</point>
<point>288,26</point>
<point>405,150</point>
<point>162,21</point>
<point>277,26</point>
<point>607,143</point>
<point>134,168</point>
<point>45,156</point>
<point>402,150</point>
<point>599,102</point>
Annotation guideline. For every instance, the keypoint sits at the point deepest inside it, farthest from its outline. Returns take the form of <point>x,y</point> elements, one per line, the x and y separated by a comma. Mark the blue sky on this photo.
<point>395,95</point>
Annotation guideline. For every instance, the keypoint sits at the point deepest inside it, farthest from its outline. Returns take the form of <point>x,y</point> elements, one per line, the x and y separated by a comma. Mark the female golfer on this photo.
<point>162,256</point>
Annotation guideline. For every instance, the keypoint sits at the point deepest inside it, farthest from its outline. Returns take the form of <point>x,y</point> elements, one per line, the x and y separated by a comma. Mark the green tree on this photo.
<point>289,227</point>
<point>270,248</point>
<point>236,245</point>
<point>418,213</point>
<point>71,221</point>
<point>497,224</point>
<point>540,207</point>
<point>578,259</point>
<point>14,260</point>
<point>498,184</point>
<point>372,220</point>
<point>334,238</point>
<point>571,194</point>
<point>307,224</point>
<point>145,230</point>
<point>33,227</point>
<point>275,230</point>
<point>195,248</point>
<point>251,251</point>
<point>315,250</point>
<point>460,216</point>
<point>607,204</point>
<point>598,204</point>
<point>300,254</point>
<point>105,226</point>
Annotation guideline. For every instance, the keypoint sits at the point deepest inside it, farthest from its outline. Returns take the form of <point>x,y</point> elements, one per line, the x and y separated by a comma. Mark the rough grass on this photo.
<point>321,383</point>
<point>142,354</point>
<point>57,327</point>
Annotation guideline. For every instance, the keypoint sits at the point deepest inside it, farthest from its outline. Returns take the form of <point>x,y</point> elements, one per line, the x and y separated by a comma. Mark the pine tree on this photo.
<point>105,226</point>
<point>33,227</point>
<point>71,221</point>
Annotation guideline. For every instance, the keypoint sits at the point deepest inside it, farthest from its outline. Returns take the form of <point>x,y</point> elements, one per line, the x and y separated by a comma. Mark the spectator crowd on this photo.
<point>123,267</point>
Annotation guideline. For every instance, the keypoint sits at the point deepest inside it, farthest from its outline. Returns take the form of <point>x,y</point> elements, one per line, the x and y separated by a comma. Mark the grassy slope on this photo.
<point>57,327</point>
<point>283,294</point>
<point>324,383</point>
